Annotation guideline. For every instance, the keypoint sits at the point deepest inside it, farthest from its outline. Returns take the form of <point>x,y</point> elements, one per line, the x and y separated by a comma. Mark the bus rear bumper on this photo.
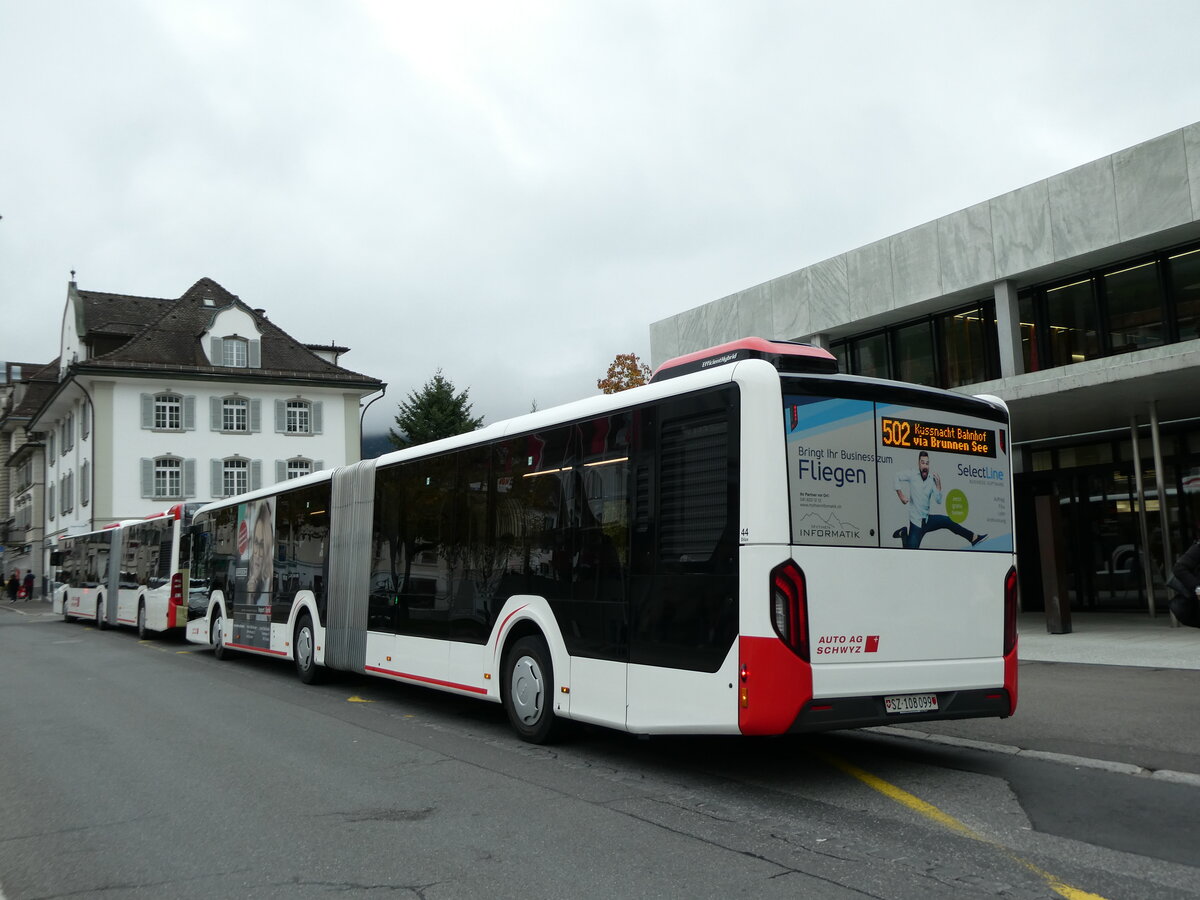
<point>828,713</point>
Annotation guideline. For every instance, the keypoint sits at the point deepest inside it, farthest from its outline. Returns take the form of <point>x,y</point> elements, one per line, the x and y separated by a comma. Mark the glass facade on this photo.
<point>1096,521</point>
<point>947,350</point>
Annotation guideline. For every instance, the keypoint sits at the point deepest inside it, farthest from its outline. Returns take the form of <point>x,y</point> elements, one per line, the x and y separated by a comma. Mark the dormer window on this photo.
<point>235,351</point>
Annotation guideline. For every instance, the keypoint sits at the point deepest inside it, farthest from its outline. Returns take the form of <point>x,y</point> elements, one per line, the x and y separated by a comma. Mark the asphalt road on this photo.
<point>150,769</point>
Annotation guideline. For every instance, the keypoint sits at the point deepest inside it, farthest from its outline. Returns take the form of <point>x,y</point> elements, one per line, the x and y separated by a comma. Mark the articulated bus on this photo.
<point>751,543</point>
<point>131,573</point>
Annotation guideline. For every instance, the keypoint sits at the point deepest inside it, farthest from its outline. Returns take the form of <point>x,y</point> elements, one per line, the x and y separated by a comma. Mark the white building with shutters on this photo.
<point>160,401</point>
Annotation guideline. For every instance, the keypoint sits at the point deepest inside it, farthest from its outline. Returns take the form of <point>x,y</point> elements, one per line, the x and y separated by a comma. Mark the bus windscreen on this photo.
<point>864,473</point>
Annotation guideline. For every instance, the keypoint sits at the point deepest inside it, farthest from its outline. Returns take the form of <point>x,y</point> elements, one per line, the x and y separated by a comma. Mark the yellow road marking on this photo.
<point>357,699</point>
<point>946,820</point>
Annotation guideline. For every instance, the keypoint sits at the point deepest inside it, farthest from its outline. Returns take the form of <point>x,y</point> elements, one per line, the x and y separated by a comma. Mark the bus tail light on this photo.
<point>789,607</point>
<point>175,600</point>
<point>1010,611</point>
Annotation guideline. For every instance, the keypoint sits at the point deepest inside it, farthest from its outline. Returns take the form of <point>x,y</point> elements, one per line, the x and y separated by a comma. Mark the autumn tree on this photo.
<point>625,372</point>
<point>435,411</point>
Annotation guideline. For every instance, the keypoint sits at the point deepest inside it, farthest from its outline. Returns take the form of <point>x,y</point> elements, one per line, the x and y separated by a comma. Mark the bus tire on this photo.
<point>304,651</point>
<point>100,623</point>
<point>216,634</point>
<point>142,631</point>
<point>527,691</point>
<point>66,610</point>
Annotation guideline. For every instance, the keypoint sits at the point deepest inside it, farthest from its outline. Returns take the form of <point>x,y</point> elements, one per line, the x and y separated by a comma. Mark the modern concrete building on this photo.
<point>1077,300</point>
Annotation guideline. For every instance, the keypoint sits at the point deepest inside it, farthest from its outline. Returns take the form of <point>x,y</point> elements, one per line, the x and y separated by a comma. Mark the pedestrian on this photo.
<point>1185,587</point>
<point>29,582</point>
<point>14,585</point>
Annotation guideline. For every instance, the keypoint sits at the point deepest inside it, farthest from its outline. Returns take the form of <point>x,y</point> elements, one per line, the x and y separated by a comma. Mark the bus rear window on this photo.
<point>868,473</point>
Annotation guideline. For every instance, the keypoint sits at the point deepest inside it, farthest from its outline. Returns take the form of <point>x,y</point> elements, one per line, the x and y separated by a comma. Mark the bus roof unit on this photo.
<point>785,356</point>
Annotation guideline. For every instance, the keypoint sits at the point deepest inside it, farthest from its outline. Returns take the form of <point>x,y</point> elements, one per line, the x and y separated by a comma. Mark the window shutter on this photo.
<point>255,474</point>
<point>147,478</point>
<point>189,478</point>
<point>318,465</point>
<point>50,501</point>
<point>217,356</point>
<point>280,470</point>
<point>215,419</point>
<point>280,416</point>
<point>218,483</point>
<point>189,413</point>
<point>255,415</point>
<point>317,407</point>
<point>147,410</point>
<point>254,356</point>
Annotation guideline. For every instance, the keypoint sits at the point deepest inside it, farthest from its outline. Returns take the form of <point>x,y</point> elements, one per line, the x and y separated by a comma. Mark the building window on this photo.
<point>50,501</point>
<point>234,352</point>
<point>50,447</point>
<point>85,483</point>
<point>914,357</point>
<point>66,493</point>
<point>235,477</point>
<point>870,356</point>
<point>299,417</point>
<point>297,468</point>
<point>1184,271</point>
<point>963,342</point>
<point>85,421</point>
<point>168,477</point>
<point>235,414</point>
<point>168,412</point>
<point>1133,307</point>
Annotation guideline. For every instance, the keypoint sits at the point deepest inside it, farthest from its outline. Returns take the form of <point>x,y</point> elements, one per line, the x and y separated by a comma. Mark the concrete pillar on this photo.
<point>1008,327</point>
<point>1143,520</point>
<point>819,340</point>
<point>1164,518</point>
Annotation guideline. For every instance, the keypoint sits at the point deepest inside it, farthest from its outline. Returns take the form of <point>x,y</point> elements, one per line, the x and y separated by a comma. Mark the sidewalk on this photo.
<point>1111,639</point>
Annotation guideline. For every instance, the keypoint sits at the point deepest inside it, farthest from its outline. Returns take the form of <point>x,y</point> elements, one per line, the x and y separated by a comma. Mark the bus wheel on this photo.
<point>100,623</point>
<point>527,690</point>
<point>304,651</point>
<point>141,622</point>
<point>66,610</point>
<point>216,634</point>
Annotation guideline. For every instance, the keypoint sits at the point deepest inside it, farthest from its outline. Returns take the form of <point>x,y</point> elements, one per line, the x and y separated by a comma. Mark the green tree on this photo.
<point>625,372</point>
<point>433,412</point>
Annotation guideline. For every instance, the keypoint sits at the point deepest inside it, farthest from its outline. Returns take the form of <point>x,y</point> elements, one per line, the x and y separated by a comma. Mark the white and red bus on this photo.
<point>752,543</point>
<point>130,573</point>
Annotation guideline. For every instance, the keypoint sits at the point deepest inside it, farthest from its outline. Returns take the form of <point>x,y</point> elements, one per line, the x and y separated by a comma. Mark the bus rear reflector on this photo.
<point>1010,611</point>
<point>789,607</point>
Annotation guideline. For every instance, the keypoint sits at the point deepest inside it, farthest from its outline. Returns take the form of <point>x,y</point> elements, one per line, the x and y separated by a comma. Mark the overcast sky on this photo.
<point>513,190</point>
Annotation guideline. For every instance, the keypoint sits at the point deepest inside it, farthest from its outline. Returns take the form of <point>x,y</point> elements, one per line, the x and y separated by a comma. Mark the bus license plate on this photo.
<point>910,703</point>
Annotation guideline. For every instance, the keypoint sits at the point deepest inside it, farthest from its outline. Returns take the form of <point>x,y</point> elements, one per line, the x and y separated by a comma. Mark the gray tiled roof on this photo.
<point>166,336</point>
<point>40,383</point>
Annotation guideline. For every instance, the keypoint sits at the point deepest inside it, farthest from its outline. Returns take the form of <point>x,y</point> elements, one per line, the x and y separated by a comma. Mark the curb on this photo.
<point>1104,765</point>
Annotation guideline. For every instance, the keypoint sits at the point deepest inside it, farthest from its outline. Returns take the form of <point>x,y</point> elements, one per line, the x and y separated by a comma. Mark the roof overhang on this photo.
<point>1101,395</point>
